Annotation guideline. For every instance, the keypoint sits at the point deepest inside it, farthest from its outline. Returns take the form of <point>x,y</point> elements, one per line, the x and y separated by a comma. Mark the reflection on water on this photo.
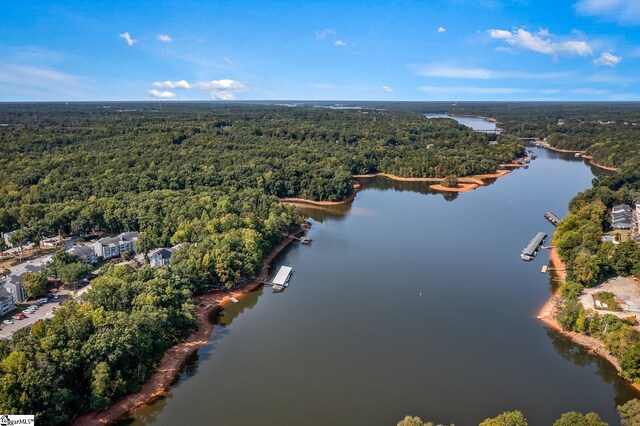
<point>404,304</point>
<point>582,357</point>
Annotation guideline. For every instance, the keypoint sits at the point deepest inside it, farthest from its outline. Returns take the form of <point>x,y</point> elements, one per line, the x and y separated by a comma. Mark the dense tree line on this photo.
<point>80,168</point>
<point>106,344</point>
<point>629,416</point>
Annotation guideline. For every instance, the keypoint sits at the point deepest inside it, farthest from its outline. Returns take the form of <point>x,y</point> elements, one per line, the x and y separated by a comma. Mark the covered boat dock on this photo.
<point>531,250</point>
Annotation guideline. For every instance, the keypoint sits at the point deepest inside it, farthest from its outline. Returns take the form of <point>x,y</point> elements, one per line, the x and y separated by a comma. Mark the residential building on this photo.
<point>6,301</point>
<point>13,283</point>
<point>85,252</point>
<point>109,247</point>
<point>161,256</point>
<point>621,217</point>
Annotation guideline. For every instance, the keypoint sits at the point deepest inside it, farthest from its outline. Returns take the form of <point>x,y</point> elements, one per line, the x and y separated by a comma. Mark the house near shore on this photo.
<point>109,247</point>
<point>161,256</point>
<point>621,217</point>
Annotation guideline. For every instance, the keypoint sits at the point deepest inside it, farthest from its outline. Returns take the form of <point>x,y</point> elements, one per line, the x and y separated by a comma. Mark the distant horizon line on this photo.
<point>286,101</point>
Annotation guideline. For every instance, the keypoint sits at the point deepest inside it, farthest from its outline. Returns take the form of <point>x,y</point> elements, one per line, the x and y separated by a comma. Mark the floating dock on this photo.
<point>555,220</point>
<point>531,250</point>
<point>281,280</point>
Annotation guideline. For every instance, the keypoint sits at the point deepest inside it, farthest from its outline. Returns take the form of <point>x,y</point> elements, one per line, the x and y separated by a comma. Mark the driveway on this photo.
<point>45,311</point>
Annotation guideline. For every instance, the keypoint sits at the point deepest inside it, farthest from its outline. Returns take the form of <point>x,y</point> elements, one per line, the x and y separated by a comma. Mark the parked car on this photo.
<point>7,322</point>
<point>16,317</point>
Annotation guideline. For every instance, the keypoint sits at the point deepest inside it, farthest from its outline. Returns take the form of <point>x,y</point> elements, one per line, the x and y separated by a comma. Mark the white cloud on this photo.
<point>608,59</point>
<point>40,83</point>
<point>223,89</point>
<point>127,37</point>
<point>322,34</point>
<point>162,94</point>
<point>449,90</point>
<point>624,11</point>
<point>386,89</point>
<point>181,84</point>
<point>445,71</point>
<point>442,30</point>
<point>542,42</point>
<point>164,38</point>
<point>340,43</point>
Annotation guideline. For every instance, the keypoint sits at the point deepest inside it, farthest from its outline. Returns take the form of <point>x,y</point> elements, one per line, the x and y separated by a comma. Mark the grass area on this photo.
<point>621,235</point>
<point>607,299</point>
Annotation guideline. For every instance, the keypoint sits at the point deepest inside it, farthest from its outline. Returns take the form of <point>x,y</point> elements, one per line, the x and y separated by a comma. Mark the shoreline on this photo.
<point>168,370</point>
<point>547,315</point>
<point>294,201</point>
<point>587,157</point>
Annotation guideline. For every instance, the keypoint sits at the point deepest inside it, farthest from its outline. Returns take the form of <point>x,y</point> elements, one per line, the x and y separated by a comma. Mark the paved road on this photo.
<point>45,311</point>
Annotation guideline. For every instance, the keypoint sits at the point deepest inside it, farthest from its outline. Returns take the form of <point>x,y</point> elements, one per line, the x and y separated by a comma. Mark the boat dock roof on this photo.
<point>534,244</point>
<point>282,276</point>
<point>551,217</point>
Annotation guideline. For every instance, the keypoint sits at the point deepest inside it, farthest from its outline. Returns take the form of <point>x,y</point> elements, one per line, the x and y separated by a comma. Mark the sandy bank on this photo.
<point>589,158</point>
<point>548,312</point>
<point>593,163</point>
<point>170,366</point>
<point>462,187</point>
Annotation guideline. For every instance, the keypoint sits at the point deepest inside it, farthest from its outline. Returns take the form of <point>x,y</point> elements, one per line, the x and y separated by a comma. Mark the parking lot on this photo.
<point>45,311</point>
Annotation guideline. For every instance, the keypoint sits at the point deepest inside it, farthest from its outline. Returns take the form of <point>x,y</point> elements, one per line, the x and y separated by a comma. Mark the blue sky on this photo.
<point>320,50</point>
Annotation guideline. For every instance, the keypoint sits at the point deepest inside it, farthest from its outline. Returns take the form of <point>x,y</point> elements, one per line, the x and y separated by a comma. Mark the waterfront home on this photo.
<point>160,256</point>
<point>621,217</point>
<point>86,253</point>
<point>109,247</point>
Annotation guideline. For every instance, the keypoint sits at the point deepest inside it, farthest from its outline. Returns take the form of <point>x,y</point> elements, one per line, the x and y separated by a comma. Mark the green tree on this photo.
<point>568,315</point>
<point>450,181</point>
<point>630,413</point>
<point>576,419</point>
<point>585,269</point>
<point>508,418</point>
<point>35,284</point>
<point>20,238</point>
<point>72,273</point>
<point>570,290</point>
<point>630,362</point>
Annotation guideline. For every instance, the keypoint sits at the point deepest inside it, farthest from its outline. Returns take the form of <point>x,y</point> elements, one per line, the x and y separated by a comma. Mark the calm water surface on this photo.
<point>476,123</point>
<point>406,302</point>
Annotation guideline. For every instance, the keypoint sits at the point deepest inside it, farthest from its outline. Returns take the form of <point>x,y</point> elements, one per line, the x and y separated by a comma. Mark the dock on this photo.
<point>281,280</point>
<point>551,217</point>
<point>531,250</point>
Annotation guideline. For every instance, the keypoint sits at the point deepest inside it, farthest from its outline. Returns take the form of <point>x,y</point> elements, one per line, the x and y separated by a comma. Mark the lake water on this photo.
<point>406,302</point>
<point>476,123</point>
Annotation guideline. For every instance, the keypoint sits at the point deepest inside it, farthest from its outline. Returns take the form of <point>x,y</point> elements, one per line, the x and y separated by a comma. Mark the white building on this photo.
<point>6,301</point>
<point>85,252</point>
<point>109,247</point>
<point>161,256</point>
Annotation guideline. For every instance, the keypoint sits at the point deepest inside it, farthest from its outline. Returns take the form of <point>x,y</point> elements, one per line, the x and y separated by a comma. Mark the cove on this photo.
<point>406,302</point>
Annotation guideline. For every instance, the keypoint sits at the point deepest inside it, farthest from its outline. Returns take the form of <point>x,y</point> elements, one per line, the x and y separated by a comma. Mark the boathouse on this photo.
<point>551,217</point>
<point>281,279</point>
<point>531,250</point>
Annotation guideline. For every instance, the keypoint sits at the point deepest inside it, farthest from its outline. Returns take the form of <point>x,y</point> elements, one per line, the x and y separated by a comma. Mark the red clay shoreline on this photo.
<point>548,312</point>
<point>582,154</point>
<point>170,366</point>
